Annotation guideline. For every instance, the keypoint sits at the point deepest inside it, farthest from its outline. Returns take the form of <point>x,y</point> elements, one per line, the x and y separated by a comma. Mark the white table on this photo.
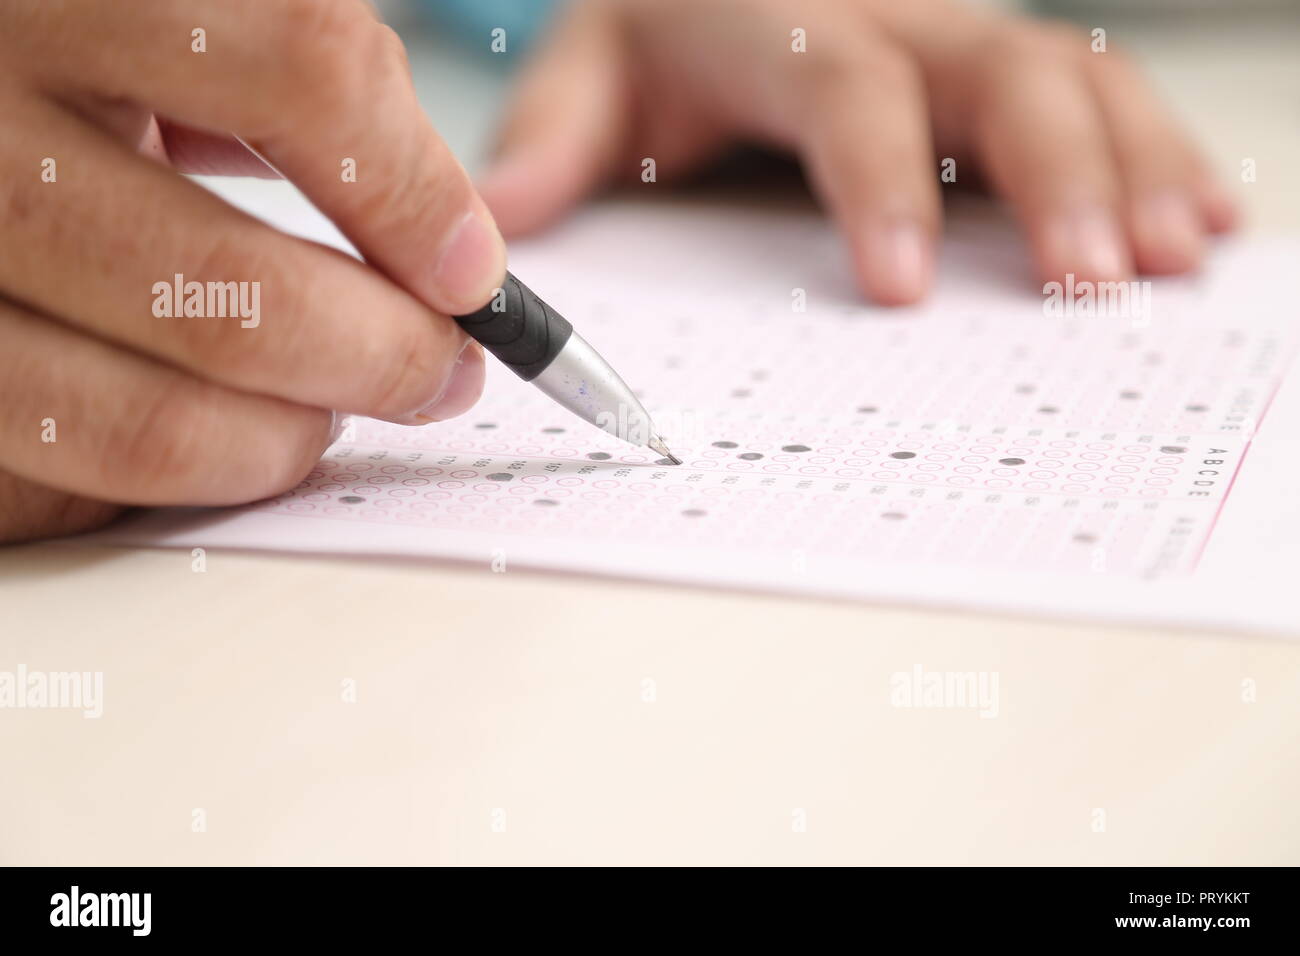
<point>479,737</point>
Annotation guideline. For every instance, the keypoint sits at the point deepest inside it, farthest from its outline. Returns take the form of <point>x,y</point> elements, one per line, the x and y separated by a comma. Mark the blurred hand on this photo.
<point>144,409</point>
<point>1097,171</point>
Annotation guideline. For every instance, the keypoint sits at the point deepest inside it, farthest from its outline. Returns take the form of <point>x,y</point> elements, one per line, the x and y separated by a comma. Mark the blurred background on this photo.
<point>1230,68</point>
<point>524,18</point>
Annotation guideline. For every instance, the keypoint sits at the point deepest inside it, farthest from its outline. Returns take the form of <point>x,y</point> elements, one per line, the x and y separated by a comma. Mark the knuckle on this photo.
<point>226,256</point>
<point>405,385</point>
<point>1064,37</point>
<point>220,345</point>
<point>167,454</point>
<point>852,61</point>
<point>378,57</point>
<point>391,52</point>
<point>1037,45</point>
<point>889,69</point>
<point>1016,54</point>
<point>1115,58</point>
<point>293,453</point>
<point>833,58</point>
<point>327,47</point>
<point>421,188</point>
<point>163,440</point>
<point>16,202</point>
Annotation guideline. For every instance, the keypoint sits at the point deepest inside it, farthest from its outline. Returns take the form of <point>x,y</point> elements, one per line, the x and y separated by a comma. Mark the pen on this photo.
<point>539,345</point>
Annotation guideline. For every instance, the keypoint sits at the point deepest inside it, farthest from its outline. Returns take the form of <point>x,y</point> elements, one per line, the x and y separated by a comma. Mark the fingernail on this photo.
<point>337,424</point>
<point>1169,232</point>
<point>1088,243</point>
<point>463,388</point>
<point>897,263</point>
<point>470,266</point>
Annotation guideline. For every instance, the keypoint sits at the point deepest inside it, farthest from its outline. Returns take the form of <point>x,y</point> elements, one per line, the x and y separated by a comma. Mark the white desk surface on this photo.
<point>485,698</point>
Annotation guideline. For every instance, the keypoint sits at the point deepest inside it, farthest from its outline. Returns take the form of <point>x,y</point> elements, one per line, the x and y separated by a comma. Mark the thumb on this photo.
<point>565,125</point>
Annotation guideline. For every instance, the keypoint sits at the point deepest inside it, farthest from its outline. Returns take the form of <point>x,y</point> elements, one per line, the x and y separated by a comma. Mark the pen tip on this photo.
<point>658,445</point>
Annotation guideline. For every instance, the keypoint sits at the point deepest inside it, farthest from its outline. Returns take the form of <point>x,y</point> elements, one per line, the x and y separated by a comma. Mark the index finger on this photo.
<point>318,86</point>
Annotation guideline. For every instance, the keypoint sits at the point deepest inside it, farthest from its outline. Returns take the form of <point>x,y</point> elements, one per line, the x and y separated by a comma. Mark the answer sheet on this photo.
<point>997,447</point>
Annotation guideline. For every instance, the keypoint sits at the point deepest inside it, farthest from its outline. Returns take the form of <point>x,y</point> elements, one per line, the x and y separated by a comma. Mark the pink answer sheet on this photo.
<point>995,448</point>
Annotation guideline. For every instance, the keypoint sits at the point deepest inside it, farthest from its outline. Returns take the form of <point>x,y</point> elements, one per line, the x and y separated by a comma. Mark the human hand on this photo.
<point>1097,171</point>
<point>103,401</point>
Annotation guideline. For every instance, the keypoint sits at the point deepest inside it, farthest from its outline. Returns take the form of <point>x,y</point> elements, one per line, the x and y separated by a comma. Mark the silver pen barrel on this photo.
<point>580,380</point>
<point>540,346</point>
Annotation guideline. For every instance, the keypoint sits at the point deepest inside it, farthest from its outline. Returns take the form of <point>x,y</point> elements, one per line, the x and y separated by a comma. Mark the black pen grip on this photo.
<point>518,328</point>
